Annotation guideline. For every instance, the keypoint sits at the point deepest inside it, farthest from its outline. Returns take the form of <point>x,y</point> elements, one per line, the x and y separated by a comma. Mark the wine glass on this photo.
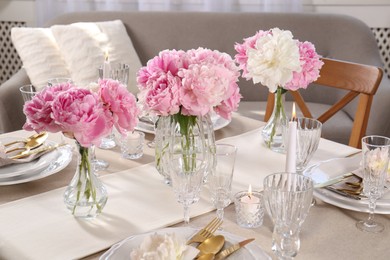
<point>308,138</point>
<point>56,81</point>
<point>287,198</point>
<point>27,91</point>
<point>376,154</point>
<point>186,167</point>
<point>221,176</point>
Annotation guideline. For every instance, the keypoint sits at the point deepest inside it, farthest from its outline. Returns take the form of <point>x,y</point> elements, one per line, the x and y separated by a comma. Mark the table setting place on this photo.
<point>175,172</point>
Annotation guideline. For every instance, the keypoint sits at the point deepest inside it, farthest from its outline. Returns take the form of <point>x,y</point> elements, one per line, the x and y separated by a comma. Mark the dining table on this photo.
<point>35,223</point>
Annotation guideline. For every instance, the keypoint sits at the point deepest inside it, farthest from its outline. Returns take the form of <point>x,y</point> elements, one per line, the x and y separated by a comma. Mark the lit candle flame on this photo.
<point>106,55</point>
<point>294,114</point>
<point>250,191</point>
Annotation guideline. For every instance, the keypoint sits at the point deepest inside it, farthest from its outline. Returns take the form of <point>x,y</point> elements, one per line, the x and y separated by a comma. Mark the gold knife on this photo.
<point>230,250</point>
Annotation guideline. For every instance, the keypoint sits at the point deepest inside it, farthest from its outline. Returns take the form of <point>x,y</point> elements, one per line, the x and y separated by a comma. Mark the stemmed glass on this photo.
<point>308,138</point>
<point>27,91</point>
<point>287,198</point>
<point>186,167</point>
<point>221,176</point>
<point>376,154</point>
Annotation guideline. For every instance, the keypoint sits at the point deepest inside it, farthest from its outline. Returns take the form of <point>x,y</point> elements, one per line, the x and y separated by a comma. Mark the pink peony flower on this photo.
<point>229,105</point>
<point>162,97</point>
<point>191,82</point>
<point>311,65</point>
<point>80,112</point>
<point>38,110</point>
<point>204,87</point>
<point>167,61</point>
<point>121,103</point>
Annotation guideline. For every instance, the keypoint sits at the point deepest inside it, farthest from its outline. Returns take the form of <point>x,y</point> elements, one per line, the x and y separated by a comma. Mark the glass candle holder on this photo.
<point>249,209</point>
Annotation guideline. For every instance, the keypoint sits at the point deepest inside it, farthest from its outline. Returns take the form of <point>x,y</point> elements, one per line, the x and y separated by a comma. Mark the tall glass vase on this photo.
<point>273,131</point>
<point>85,196</point>
<point>185,134</point>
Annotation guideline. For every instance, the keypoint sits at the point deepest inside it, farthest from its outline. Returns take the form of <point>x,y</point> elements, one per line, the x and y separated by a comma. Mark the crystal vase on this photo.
<point>85,196</point>
<point>185,134</point>
<point>273,131</point>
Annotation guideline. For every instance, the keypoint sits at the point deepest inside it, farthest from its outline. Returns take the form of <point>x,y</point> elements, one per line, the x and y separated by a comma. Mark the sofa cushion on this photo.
<point>83,46</point>
<point>337,128</point>
<point>74,51</point>
<point>40,55</point>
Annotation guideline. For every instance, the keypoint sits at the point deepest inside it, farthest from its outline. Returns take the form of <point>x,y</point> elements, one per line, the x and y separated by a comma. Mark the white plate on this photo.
<point>123,249</point>
<point>218,123</point>
<point>333,168</point>
<point>18,169</point>
<point>52,162</point>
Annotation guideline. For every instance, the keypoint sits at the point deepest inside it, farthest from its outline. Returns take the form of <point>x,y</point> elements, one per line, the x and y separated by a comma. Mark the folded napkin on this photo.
<point>5,158</point>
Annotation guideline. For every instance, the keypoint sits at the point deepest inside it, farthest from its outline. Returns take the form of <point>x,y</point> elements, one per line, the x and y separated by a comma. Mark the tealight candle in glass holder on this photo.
<point>249,208</point>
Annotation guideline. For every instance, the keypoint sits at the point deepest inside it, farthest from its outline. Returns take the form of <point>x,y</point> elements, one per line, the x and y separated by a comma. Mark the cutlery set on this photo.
<point>210,246</point>
<point>349,185</point>
<point>31,145</point>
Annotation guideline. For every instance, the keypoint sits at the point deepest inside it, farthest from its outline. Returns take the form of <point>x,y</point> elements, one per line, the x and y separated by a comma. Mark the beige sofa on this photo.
<point>334,36</point>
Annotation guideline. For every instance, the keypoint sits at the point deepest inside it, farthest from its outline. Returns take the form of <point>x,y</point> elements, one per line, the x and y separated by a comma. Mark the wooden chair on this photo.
<point>360,80</point>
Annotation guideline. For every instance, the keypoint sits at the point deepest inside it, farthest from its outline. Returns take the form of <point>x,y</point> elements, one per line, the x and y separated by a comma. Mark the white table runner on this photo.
<point>40,227</point>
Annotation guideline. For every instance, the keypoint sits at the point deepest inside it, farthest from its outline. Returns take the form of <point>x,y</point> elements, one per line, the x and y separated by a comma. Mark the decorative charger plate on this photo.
<point>330,169</point>
<point>123,249</point>
<point>48,164</point>
<point>218,123</point>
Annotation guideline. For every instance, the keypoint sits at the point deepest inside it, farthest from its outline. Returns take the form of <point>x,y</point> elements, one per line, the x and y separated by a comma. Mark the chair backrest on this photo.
<point>357,79</point>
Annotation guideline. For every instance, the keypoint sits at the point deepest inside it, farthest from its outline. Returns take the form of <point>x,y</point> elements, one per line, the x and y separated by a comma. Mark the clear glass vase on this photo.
<point>85,196</point>
<point>184,133</point>
<point>273,131</point>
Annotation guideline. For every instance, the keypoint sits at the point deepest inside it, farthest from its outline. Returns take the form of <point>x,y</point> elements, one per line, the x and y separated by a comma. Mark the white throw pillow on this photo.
<point>74,51</point>
<point>40,55</point>
<point>83,46</point>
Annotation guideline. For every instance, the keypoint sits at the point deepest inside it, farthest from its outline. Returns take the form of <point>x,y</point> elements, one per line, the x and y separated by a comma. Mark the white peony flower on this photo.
<point>274,59</point>
<point>377,159</point>
<point>159,247</point>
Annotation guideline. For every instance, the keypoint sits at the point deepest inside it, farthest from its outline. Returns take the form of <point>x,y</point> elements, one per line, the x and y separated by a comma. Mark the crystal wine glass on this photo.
<point>287,198</point>
<point>376,154</point>
<point>186,167</point>
<point>27,91</point>
<point>308,138</point>
<point>221,176</point>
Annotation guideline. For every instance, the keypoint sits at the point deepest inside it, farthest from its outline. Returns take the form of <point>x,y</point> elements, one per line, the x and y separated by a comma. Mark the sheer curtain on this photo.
<point>48,9</point>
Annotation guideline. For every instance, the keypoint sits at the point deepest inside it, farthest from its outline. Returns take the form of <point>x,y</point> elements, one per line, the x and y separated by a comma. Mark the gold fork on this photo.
<point>205,232</point>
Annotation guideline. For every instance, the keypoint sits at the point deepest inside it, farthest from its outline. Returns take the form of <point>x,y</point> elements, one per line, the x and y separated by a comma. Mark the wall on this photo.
<point>375,13</point>
<point>18,10</point>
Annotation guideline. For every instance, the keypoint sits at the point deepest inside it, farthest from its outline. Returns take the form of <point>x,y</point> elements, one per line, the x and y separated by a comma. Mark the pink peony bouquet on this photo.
<point>191,83</point>
<point>81,113</point>
<point>274,59</point>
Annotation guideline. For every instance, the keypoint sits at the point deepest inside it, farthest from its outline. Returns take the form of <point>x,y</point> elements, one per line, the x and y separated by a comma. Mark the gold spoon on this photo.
<point>31,142</point>
<point>209,256</point>
<point>211,245</point>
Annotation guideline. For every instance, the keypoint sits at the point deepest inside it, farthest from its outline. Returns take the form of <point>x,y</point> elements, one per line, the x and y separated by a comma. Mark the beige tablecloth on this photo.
<point>40,227</point>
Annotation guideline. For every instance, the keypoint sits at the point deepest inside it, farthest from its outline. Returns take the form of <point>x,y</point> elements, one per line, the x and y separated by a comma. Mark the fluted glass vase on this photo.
<point>85,196</point>
<point>273,131</point>
<point>185,134</point>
